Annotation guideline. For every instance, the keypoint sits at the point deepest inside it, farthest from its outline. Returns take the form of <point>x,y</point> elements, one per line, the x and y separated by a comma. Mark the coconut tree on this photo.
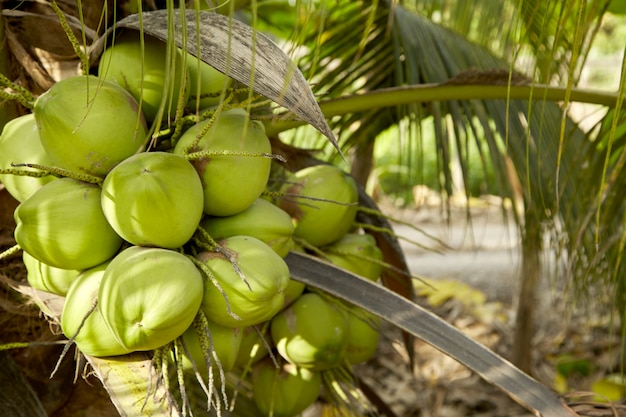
<point>373,65</point>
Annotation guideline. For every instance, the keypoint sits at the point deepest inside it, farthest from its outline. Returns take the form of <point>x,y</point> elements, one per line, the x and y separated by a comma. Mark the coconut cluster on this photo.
<point>182,246</point>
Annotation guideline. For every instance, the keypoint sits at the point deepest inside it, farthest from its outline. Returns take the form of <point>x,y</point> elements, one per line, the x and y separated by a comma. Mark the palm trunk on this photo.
<point>532,244</point>
<point>8,109</point>
<point>363,162</point>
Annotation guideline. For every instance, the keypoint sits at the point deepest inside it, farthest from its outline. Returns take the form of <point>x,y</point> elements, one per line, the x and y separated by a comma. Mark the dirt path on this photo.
<point>479,247</point>
<point>482,251</point>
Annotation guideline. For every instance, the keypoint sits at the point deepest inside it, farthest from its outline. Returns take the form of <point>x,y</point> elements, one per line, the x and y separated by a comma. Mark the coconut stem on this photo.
<point>56,171</point>
<point>9,252</point>
<point>23,173</point>
<point>203,331</point>
<point>279,194</point>
<point>80,53</point>
<point>23,96</point>
<point>182,348</point>
<point>391,233</point>
<point>72,339</point>
<point>178,359</point>
<point>378,213</point>
<point>207,238</point>
<point>208,243</point>
<point>20,98</point>
<point>209,274</point>
<point>228,152</point>
<point>160,361</point>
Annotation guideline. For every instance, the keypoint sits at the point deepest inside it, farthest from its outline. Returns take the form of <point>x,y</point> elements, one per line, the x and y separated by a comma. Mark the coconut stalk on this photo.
<point>532,243</point>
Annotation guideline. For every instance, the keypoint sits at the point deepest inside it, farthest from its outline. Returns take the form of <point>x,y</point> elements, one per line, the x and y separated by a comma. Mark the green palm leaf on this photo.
<point>397,47</point>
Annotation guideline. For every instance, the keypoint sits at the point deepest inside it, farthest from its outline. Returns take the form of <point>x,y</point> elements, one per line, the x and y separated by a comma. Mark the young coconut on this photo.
<point>253,348</point>
<point>311,333</point>
<point>285,391</point>
<point>253,278</point>
<point>329,212</point>
<point>363,335</point>
<point>293,291</point>
<point>94,338</point>
<point>20,143</point>
<point>89,125</point>
<point>153,199</point>
<point>149,296</point>
<point>234,180</point>
<point>262,220</point>
<point>205,84</point>
<point>62,225</point>
<point>219,344</point>
<point>143,70</point>
<point>295,288</point>
<point>48,278</point>
<point>357,253</point>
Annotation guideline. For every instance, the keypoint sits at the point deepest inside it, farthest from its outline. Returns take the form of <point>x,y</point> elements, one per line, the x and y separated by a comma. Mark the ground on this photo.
<point>474,263</point>
<point>475,270</point>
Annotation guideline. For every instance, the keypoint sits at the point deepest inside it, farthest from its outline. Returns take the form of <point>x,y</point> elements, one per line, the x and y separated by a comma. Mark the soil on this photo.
<point>475,247</point>
<point>479,262</point>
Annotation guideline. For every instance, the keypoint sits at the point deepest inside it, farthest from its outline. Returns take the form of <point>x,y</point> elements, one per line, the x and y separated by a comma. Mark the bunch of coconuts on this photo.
<point>181,247</point>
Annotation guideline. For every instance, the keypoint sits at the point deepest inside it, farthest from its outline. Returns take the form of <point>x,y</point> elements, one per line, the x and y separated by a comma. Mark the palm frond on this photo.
<point>403,48</point>
<point>560,35</point>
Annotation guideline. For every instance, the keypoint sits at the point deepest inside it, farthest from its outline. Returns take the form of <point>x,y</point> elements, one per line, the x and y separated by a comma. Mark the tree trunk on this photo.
<point>532,243</point>
<point>363,162</point>
<point>8,108</point>
<point>17,397</point>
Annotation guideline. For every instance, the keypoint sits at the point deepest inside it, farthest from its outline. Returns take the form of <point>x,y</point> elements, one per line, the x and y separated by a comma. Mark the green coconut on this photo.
<point>285,391</point>
<point>47,278</point>
<point>311,333</point>
<point>255,291</point>
<point>262,220</point>
<point>205,84</point>
<point>357,253</point>
<point>232,182</point>
<point>20,143</point>
<point>145,72</point>
<point>363,335</point>
<point>254,346</point>
<point>149,296</point>
<point>220,344</point>
<point>62,225</point>
<point>89,125</point>
<point>322,200</point>
<point>94,337</point>
<point>153,199</point>
<point>293,291</point>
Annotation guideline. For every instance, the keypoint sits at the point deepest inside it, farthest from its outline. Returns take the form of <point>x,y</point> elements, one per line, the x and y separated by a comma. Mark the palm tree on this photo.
<point>456,63</point>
